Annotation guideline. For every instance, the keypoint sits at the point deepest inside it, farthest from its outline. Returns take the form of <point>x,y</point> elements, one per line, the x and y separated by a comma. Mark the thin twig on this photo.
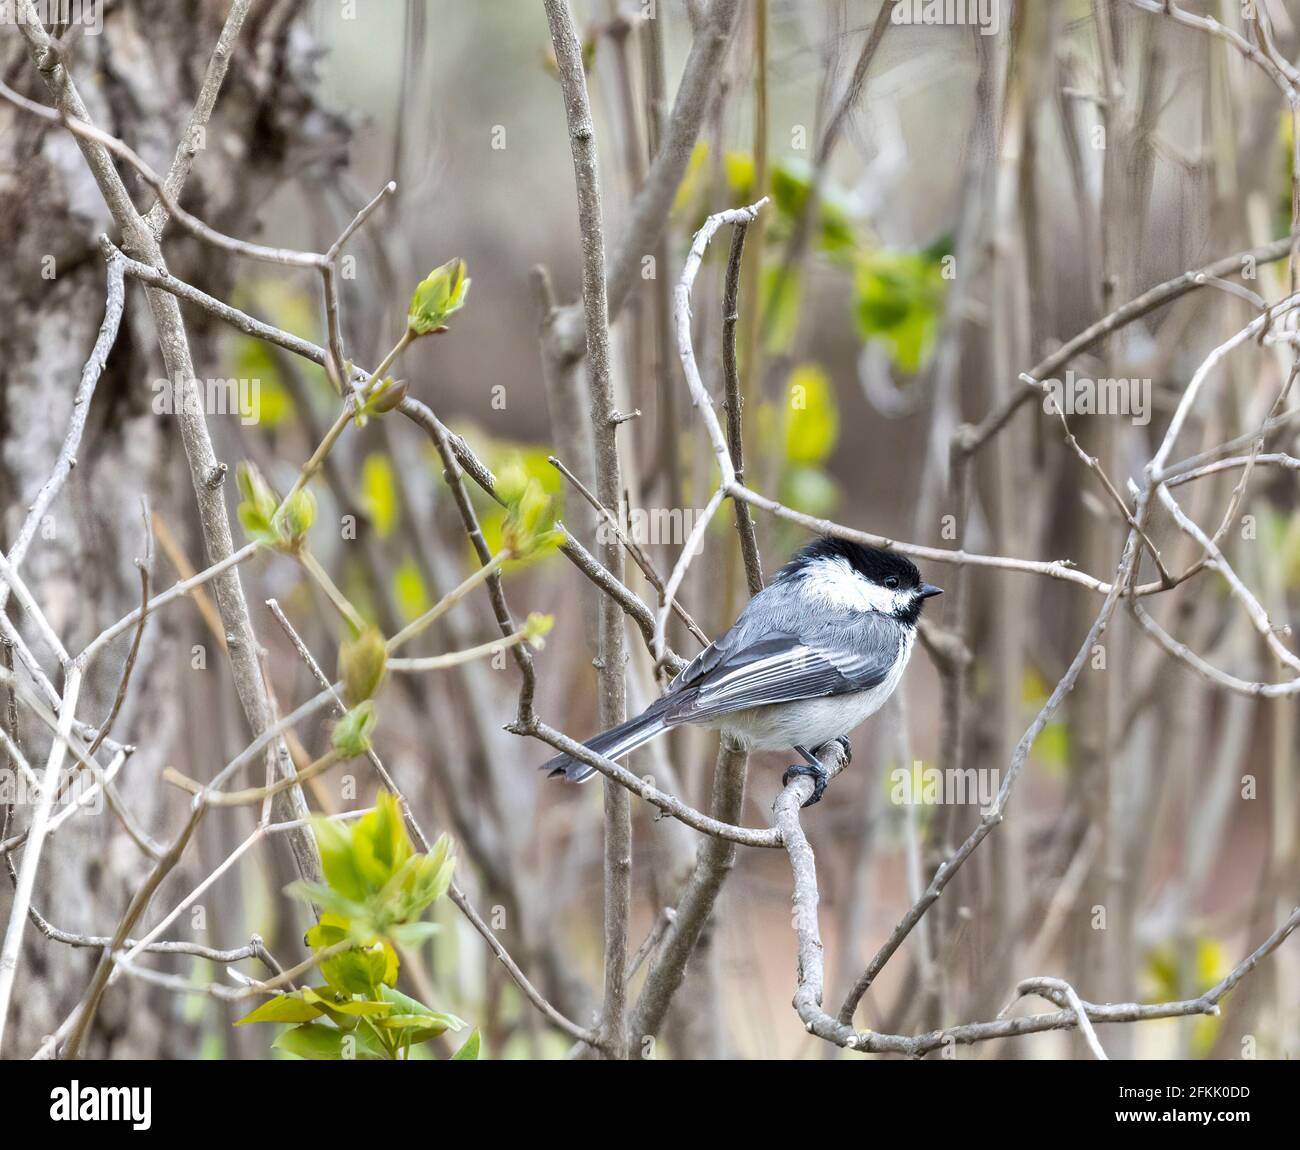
<point>455,893</point>
<point>1059,992</point>
<point>639,557</point>
<point>734,403</point>
<point>808,993</point>
<point>993,816</point>
<point>611,650</point>
<point>114,300</point>
<point>11,949</point>
<point>119,697</point>
<point>188,148</point>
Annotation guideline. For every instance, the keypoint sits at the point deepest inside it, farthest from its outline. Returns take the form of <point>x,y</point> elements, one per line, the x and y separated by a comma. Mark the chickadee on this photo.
<point>811,656</point>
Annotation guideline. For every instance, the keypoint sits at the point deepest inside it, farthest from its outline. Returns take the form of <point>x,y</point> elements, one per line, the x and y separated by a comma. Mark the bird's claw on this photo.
<point>817,774</point>
<point>843,741</point>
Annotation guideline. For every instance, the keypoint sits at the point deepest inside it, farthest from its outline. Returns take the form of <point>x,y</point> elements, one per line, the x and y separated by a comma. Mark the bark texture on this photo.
<point>139,78</point>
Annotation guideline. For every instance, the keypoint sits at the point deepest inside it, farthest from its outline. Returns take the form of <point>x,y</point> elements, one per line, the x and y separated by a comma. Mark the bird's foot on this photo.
<point>813,768</point>
<point>843,741</point>
<point>814,771</point>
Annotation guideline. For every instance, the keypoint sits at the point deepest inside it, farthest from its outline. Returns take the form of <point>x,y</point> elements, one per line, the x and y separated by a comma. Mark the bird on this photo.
<point>811,656</point>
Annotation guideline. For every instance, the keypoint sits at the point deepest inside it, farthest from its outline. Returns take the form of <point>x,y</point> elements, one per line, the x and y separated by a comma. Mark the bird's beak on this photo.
<point>926,590</point>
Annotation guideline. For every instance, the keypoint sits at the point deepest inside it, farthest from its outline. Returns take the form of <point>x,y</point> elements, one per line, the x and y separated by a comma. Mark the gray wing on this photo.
<point>732,674</point>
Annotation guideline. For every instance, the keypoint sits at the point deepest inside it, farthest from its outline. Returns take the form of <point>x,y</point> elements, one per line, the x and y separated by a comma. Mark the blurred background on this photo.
<point>995,186</point>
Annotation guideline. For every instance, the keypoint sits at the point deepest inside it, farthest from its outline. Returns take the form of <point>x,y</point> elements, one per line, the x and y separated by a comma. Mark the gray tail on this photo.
<point>613,744</point>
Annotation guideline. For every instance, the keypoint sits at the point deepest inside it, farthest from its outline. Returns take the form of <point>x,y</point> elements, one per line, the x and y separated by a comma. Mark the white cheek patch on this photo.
<point>902,601</point>
<point>836,583</point>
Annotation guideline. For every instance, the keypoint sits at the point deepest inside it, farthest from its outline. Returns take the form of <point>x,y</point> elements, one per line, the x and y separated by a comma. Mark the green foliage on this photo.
<point>410,591</point>
<point>504,455</point>
<point>898,298</point>
<point>265,519</point>
<point>374,878</point>
<point>351,735</point>
<point>1051,749</point>
<point>802,433</point>
<point>897,295</point>
<point>284,1008</point>
<point>469,1051</point>
<point>293,519</point>
<point>385,396</point>
<point>333,1025</point>
<point>290,308</point>
<point>258,506</point>
<point>536,627</point>
<point>254,360</point>
<point>283,304</point>
<point>812,423</point>
<point>379,492</point>
<point>529,526</point>
<point>360,971</point>
<point>437,297</point>
<point>362,662</point>
<point>376,888</point>
<point>1173,971</point>
<point>1279,531</point>
<point>789,185</point>
<point>317,1043</point>
<point>1207,965</point>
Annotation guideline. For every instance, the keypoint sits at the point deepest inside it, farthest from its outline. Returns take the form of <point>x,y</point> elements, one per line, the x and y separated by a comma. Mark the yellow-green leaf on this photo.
<point>898,297</point>
<point>380,843</point>
<point>282,1008</point>
<point>294,519</point>
<point>812,418</point>
<point>318,1042</point>
<point>438,296</point>
<point>362,661</point>
<point>470,1050</point>
<point>410,590</point>
<point>351,737</point>
<point>255,362</point>
<point>379,492</point>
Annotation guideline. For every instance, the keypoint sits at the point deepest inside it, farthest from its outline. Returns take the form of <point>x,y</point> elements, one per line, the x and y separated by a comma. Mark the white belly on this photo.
<point>810,722</point>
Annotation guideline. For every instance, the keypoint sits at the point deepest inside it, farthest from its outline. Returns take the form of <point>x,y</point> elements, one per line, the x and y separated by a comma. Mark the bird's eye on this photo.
<point>892,582</point>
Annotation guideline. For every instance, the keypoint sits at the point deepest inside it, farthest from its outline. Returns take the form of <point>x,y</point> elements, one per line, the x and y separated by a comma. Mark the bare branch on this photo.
<point>970,439</point>
<point>633,548</point>
<point>11,949</point>
<point>114,300</point>
<point>716,858</point>
<point>140,241</point>
<point>993,815</point>
<point>611,651</point>
<point>188,148</point>
<point>455,893</point>
<point>1060,992</point>
<point>734,404</point>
